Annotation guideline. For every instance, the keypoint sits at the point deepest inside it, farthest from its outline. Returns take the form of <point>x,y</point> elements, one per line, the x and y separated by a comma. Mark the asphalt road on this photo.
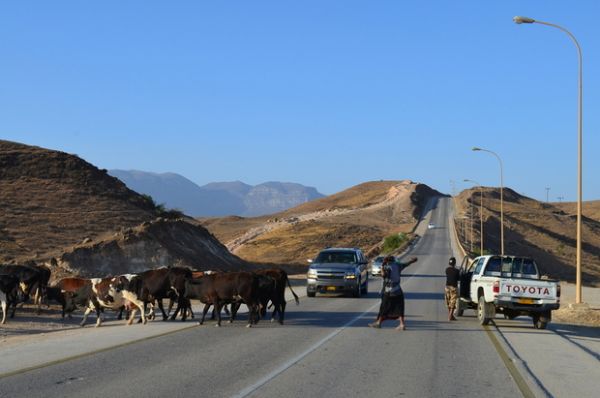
<point>324,349</point>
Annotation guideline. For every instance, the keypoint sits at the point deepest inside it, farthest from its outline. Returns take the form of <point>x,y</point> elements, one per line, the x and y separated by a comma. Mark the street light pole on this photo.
<point>480,215</point>
<point>501,196</point>
<point>520,20</point>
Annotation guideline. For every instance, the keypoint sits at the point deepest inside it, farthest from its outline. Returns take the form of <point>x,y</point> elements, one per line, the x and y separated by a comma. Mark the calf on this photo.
<point>65,299</point>
<point>221,289</point>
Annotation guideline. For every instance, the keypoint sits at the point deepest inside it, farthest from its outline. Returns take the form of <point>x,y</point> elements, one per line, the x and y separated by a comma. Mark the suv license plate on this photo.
<point>331,288</point>
<point>525,301</point>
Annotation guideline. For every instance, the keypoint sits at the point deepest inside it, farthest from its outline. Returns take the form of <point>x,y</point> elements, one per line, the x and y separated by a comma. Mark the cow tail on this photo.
<point>292,290</point>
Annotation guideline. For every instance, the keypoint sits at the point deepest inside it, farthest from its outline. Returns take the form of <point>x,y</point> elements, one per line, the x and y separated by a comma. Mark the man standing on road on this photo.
<point>451,293</point>
<point>392,299</point>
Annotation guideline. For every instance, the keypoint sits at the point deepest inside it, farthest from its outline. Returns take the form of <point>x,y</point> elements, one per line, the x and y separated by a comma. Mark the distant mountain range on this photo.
<point>218,198</point>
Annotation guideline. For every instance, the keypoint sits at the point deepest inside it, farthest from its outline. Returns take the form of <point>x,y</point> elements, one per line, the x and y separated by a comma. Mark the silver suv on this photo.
<point>338,270</point>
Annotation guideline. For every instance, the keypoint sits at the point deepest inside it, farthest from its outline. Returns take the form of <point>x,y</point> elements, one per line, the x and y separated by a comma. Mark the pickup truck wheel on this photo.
<point>483,311</point>
<point>508,314</point>
<point>460,309</point>
<point>310,294</point>
<point>540,321</point>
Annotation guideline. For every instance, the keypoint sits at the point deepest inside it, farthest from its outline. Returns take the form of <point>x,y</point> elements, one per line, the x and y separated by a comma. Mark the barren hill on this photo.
<point>357,217</point>
<point>56,205</point>
<point>531,228</point>
<point>591,208</point>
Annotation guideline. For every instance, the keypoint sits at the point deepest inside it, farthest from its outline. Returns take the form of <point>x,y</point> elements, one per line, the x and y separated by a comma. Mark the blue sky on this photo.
<point>324,93</point>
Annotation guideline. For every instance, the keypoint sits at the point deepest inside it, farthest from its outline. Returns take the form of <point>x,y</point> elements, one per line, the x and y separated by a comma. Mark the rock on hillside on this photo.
<point>357,217</point>
<point>52,201</point>
<point>154,244</point>
<point>531,228</point>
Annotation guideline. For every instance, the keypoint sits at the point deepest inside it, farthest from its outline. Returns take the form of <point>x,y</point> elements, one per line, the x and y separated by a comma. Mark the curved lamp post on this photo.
<point>501,196</point>
<point>480,213</point>
<point>521,20</point>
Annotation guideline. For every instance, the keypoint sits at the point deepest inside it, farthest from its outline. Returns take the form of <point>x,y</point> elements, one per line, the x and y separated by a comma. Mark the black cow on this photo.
<point>265,293</point>
<point>278,300</point>
<point>29,279</point>
<point>8,293</point>
<point>157,284</point>
<point>62,297</point>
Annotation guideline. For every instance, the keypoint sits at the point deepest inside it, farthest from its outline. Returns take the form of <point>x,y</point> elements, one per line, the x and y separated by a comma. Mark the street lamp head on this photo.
<point>519,20</point>
<point>476,148</point>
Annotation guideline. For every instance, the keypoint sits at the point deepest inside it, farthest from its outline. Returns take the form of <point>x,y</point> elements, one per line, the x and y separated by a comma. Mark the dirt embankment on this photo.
<point>531,228</point>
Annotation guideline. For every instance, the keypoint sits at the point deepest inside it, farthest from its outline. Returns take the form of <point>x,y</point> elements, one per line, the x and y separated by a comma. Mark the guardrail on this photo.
<point>457,242</point>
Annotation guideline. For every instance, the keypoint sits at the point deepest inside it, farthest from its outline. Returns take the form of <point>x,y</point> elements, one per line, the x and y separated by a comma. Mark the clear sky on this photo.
<point>329,94</point>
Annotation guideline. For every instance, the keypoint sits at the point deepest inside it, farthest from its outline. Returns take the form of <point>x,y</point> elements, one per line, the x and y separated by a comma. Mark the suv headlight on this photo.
<point>350,275</point>
<point>312,273</point>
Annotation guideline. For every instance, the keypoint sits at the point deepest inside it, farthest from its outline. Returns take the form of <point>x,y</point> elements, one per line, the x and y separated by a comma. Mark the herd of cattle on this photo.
<point>138,292</point>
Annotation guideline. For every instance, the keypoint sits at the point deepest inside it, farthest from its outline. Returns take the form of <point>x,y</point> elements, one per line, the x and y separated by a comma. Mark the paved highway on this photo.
<point>325,349</point>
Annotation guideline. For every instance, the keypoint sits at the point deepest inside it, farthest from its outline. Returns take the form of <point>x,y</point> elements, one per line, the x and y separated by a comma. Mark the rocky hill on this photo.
<point>57,206</point>
<point>532,228</point>
<point>218,198</point>
<point>357,217</point>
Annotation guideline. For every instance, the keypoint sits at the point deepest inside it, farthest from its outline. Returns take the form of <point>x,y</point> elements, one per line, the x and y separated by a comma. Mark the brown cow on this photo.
<point>221,289</point>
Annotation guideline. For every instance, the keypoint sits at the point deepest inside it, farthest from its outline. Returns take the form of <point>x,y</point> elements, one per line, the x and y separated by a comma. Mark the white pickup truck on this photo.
<point>509,285</point>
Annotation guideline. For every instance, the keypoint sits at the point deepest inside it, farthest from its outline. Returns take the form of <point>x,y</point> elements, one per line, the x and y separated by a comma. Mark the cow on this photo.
<point>221,289</point>
<point>29,279</point>
<point>8,292</point>
<point>39,287</point>
<point>157,284</point>
<point>197,275</point>
<point>278,297</point>
<point>97,294</point>
<point>265,293</point>
<point>62,297</point>
<point>68,288</point>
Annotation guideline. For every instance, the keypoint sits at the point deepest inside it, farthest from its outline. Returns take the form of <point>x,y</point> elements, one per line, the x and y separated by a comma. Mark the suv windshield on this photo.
<point>347,257</point>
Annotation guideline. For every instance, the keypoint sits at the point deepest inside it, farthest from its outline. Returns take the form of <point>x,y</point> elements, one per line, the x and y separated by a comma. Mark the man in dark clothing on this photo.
<point>451,295</point>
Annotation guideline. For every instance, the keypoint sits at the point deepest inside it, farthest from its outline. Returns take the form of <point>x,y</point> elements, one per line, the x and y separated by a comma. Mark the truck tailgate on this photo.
<point>528,289</point>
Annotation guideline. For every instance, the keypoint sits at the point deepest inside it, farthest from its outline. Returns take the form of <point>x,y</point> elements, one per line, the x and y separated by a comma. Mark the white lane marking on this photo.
<point>286,365</point>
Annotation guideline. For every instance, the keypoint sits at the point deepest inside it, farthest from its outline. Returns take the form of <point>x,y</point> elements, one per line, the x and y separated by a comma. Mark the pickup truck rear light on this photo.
<point>558,291</point>
<point>496,287</point>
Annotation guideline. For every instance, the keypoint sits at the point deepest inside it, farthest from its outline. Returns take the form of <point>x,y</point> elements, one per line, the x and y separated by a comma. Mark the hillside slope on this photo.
<point>357,217</point>
<point>591,208</point>
<point>532,228</point>
<point>55,204</point>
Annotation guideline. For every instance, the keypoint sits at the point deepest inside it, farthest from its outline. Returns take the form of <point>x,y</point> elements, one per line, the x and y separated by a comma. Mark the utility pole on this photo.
<point>560,198</point>
<point>547,193</point>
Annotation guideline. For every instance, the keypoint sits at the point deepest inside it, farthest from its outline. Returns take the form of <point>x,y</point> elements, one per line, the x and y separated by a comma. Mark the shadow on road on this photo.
<point>423,276</point>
